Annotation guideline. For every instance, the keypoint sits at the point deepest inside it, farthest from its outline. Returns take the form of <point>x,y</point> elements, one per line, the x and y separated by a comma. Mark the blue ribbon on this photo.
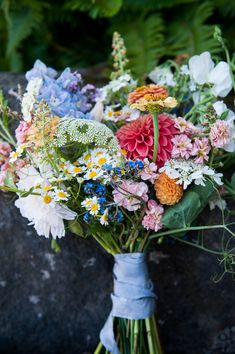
<point>133,297</point>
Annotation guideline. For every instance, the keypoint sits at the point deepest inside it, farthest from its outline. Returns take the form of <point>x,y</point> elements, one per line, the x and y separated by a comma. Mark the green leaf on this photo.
<point>9,181</point>
<point>186,211</point>
<point>182,214</point>
<point>55,246</point>
<point>76,228</point>
<point>26,193</point>
<point>233,181</point>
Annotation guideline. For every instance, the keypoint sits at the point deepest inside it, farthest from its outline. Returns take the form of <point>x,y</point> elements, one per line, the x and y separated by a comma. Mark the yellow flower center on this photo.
<point>110,114</point>
<point>94,207</point>
<point>76,163</point>
<point>61,194</point>
<point>89,165</point>
<point>77,169</point>
<point>93,174</point>
<point>47,199</point>
<point>102,160</point>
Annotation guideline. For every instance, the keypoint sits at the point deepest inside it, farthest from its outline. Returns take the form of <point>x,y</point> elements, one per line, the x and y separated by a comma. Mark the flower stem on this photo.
<point>99,348</point>
<point>149,336</point>
<point>156,136</point>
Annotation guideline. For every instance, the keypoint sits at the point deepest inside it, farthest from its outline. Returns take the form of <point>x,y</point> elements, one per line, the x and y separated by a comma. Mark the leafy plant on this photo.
<point>79,32</point>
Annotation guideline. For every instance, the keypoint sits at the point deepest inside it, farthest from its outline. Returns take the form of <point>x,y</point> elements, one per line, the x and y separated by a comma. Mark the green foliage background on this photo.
<point>78,33</point>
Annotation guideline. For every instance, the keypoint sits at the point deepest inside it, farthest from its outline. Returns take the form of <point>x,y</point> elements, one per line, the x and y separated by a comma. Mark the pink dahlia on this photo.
<point>220,134</point>
<point>137,138</point>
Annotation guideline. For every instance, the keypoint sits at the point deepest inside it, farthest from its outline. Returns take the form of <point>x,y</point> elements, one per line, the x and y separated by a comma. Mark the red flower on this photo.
<point>137,138</point>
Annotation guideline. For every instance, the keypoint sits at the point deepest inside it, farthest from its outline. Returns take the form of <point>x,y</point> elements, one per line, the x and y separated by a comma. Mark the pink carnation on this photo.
<point>201,149</point>
<point>5,150</point>
<point>220,134</point>
<point>149,171</point>
<point>153,217</point>
<point>182,146</point>
<point>184,126</point>
<point>125,194</point>
<point>21,132</point>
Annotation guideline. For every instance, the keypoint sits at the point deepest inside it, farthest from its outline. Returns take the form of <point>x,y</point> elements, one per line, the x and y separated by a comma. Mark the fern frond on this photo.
<point>96,8</point>
<point>21,19</point>
<point>144,41</point>
<point>190,34</point>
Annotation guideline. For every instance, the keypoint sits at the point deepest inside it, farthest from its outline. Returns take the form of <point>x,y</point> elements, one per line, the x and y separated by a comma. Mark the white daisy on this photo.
<point>45,215</point>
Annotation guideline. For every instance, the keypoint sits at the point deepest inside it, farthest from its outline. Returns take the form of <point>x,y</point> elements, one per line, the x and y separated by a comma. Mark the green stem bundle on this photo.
<point>135,337</point>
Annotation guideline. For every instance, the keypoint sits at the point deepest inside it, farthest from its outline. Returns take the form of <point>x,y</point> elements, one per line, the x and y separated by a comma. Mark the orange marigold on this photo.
<point>168,192</point>
<point>151,98</point>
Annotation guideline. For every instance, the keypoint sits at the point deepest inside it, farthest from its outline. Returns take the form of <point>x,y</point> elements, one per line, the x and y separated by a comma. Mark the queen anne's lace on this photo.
<point>86,132</point>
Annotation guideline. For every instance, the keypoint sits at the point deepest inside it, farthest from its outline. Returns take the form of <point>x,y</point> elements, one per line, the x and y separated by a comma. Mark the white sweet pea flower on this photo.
<point>221,78</point>
<point>200,67</point>
<point>162,76</point>
<point>97,111</point>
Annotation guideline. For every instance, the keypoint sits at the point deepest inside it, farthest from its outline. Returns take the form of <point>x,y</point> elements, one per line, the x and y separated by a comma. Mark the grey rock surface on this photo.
<point>57,303</point>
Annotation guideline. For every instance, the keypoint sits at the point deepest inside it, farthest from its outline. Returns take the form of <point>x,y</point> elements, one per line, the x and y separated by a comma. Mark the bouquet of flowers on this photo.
<point>127,165</point>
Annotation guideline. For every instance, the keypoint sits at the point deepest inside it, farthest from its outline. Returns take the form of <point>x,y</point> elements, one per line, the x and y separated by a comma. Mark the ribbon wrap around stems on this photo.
<point>133,297</point>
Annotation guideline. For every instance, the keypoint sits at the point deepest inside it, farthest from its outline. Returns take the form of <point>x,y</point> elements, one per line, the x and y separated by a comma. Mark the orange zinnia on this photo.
<point>151,98</point>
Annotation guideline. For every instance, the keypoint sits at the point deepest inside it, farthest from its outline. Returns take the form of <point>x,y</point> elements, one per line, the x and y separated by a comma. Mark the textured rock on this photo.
<point>56,303</point>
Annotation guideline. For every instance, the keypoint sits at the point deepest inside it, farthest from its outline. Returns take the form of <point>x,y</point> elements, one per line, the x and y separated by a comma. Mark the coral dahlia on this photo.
<point>137,138</point>
<point>168,192</point>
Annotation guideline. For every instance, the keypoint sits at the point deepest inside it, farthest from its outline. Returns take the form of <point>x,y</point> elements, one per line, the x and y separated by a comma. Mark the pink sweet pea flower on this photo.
<point>125,194</point>
<point>21,132</point>
<point>149,171</point>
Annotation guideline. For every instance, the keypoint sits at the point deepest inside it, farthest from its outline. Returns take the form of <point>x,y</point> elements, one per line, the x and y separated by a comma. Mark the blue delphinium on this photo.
<point>65,95</point>
<point>40,70</point>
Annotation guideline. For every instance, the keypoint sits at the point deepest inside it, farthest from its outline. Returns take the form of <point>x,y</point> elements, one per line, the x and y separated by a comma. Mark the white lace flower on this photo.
<point>43,213</point>
<point>188,172</point>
